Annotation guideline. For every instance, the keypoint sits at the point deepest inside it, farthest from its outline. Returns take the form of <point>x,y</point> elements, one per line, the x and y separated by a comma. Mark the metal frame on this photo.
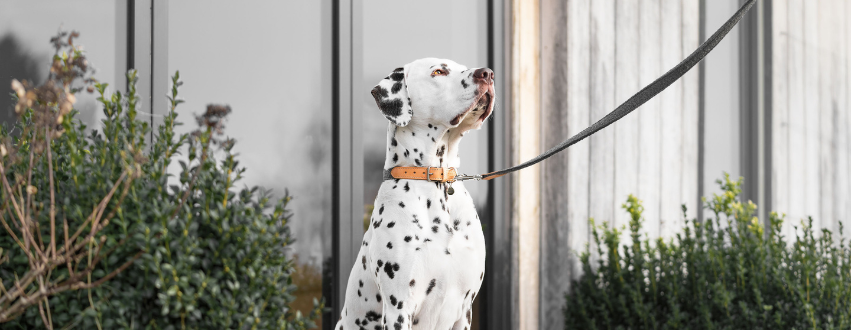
<point>143,46</point>
<point>347,183</point>
<point>499,298</point>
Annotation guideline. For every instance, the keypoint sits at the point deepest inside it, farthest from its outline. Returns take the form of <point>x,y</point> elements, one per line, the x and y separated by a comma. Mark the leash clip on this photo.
<point>465,177</point>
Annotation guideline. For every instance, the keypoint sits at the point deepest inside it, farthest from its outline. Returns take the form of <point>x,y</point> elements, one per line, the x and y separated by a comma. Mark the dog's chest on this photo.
<point>439,229</point>
<point>426,209</point>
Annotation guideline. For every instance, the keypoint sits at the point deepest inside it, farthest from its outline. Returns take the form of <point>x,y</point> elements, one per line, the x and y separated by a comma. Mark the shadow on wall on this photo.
<point>15,63</point>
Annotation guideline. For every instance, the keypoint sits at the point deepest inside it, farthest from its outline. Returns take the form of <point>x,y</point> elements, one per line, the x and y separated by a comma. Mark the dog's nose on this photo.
<point>483,75</point>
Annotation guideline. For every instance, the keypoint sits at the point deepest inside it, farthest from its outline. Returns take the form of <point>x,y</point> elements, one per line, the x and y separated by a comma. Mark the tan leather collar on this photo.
<point>435,174</point>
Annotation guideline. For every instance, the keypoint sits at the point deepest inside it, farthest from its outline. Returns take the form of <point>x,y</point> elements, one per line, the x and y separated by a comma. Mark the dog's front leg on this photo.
<point>398,262</point>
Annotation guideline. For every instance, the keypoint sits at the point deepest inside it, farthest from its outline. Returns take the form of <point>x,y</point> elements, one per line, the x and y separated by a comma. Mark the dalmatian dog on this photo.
<point>422,260</point>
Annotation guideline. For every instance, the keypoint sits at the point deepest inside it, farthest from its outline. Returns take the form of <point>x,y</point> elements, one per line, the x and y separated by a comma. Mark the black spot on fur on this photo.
<point>379,91</point>
<point>377,297</point>
<point>396,88</point>
<point>447,251</point>
<point>407,188</point>
<point>389,245</point>
<point>381,210</point>
<point>390,108</point>
<point>419,163</point>
<point>407,238</point>
<point>391,269</point>
<point>406,153</point>
<point>402,204</point>
<point>393,300</point>
<point>380,263</point>
<point>436,220</point>
<point>428,203</point>
<point>393,142</point>
<point>434,229</point>
<point>363,260</point>
<point>390,225</point>
<point>395,158</point>
<point>377,224</point>
<point>464,83</point>
<point>412,283</point>
<point>431,286</point>
<point>397,76</point>
<point>441,151</point>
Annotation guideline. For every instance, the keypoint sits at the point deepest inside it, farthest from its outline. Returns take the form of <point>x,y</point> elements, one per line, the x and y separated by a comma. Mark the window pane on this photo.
<point>25,51</point>
<point>270,61</point>
<point>461,35</point>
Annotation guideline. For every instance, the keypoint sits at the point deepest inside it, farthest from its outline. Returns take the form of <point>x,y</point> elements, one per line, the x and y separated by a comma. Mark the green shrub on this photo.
<point>726,273</point>
<point>198,253</point>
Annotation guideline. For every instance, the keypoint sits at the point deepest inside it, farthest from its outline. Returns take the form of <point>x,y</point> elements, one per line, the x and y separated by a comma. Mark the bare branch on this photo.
<point>52,193</point>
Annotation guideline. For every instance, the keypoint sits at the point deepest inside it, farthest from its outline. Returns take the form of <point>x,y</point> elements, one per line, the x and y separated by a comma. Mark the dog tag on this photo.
<point>450,190</point>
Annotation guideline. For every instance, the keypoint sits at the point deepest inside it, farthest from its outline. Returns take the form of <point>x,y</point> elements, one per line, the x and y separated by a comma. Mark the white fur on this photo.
<point>437,259</point>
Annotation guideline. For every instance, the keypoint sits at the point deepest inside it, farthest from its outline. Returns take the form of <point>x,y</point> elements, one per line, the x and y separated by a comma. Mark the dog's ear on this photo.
<point>391,96</point>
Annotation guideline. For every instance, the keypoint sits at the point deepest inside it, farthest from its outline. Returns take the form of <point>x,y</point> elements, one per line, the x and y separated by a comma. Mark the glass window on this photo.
<point>270,61</point>
<point>25,31</point>
<point>461,36</point>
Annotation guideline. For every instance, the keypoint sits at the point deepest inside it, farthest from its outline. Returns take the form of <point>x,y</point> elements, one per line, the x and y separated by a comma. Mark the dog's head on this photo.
<point>437,92</point>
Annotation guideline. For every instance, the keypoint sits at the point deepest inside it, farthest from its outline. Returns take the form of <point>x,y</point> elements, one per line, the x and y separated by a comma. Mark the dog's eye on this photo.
<point>438,72</point>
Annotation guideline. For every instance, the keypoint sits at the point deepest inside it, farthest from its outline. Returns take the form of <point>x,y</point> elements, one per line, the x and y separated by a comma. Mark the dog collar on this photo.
<point>430,174</point>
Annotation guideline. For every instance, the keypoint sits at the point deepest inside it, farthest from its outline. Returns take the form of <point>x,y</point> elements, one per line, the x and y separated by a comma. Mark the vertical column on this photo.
<point>671,145</point>
<point>649,132</point>
<point>691,84</point>
<point>526,124</point>
<point>500,294</point>
<point>627,70</point>
<point>797,127</point>
<point>602,94</point>
<point>555,229</point>
<point>347,145</point>
<point>779,194</point>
